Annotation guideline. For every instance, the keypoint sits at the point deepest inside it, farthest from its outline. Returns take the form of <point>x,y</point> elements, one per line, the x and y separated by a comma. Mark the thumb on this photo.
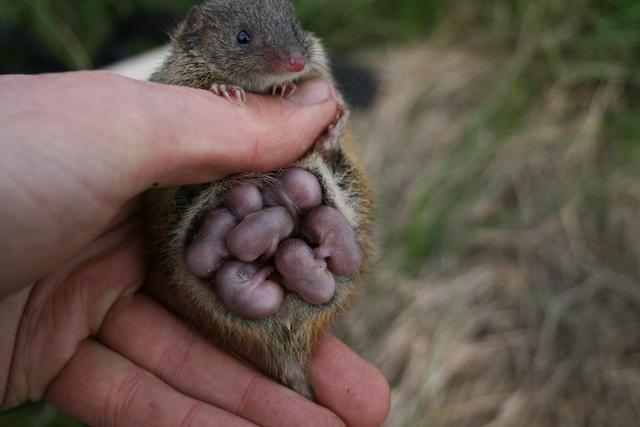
<point>199,137</point>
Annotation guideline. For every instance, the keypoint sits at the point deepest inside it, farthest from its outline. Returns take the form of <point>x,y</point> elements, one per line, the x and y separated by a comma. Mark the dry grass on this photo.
<point>521,303</point>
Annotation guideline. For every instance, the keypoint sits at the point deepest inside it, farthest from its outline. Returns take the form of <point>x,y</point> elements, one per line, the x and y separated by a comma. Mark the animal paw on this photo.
<point>284,90</point>
<point>231,92</point>
<point>328,143</point>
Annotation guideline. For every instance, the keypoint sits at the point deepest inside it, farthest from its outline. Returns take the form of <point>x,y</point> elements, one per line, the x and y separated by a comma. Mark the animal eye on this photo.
<point>244,37</point>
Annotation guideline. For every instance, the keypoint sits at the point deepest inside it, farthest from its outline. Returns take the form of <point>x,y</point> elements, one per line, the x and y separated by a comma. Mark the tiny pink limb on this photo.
<point>260,234</point>
<point>209,248</point>
<point>243,199</point>
<point>337,242</point>
<point>303,273</point>
<point>297,190</point>
<point>245,290</point>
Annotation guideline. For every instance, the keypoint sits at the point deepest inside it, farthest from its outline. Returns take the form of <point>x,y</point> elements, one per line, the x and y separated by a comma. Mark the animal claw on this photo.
<point>329,141</point>
<point>285,90</point>
<point>231,93</point>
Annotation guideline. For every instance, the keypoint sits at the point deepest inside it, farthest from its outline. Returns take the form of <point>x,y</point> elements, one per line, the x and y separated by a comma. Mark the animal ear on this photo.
<point>195,18</point>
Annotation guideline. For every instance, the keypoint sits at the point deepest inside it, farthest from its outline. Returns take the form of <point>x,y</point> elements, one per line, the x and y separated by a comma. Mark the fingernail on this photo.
<point>312,93</point>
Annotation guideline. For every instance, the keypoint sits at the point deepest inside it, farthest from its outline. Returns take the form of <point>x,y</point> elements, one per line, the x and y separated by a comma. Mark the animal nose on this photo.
<point>296,64</point>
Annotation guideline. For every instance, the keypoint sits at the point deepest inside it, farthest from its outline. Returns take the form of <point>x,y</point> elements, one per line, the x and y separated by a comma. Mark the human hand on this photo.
<point>76,151</point>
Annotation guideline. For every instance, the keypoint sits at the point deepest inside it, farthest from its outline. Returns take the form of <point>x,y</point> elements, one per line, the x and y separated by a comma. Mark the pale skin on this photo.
<point>77,150</point>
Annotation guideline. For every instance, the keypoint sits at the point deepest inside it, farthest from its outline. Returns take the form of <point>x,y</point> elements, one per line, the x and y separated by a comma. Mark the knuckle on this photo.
<point>173,357</point>
<point>121,399</point>
<point>247,394</point>
<point>191,416</point>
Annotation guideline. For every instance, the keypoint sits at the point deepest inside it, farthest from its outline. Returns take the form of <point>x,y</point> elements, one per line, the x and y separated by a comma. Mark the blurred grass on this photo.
<point>599,34</point>
<point>36,415</point>
<point>78,34</point>
<point>581,46</point>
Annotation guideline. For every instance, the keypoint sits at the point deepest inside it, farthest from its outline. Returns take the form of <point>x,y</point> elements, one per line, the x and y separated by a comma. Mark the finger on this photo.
<point>67,307</point>
<point>146,333</point>
<point>101,388</point>
<point>195,136</point>
<point>348,385</point>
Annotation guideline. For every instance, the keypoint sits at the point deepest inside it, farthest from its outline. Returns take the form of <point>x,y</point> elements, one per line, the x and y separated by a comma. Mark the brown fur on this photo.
<point>281,344</point>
